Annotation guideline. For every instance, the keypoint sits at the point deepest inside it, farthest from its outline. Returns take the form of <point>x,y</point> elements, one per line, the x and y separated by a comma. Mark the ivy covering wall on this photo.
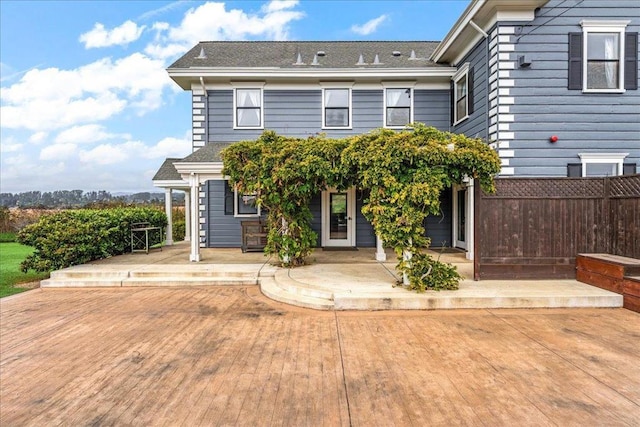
<point>403,171</point>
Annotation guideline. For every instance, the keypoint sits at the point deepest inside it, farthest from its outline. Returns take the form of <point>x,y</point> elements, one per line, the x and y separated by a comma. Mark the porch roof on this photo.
<point>167,171</point>
<point>209,153</point>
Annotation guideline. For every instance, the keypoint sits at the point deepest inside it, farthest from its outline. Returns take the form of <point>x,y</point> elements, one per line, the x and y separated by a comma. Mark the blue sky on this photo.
<point>86,103</point>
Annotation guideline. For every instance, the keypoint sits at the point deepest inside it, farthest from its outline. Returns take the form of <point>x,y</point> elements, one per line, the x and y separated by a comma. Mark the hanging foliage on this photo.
<point>404,173</point>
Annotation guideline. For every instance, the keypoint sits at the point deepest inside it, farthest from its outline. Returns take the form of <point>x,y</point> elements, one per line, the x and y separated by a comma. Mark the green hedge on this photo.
<point>78,236</point>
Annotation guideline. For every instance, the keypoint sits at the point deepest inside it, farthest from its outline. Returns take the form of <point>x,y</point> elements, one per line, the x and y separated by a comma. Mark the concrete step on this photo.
<point>195,274</point>
<point>272,290</point>
<point>292,286</point>
<point>80,283</point>
<point>171,281</point>
<point>85,273</point>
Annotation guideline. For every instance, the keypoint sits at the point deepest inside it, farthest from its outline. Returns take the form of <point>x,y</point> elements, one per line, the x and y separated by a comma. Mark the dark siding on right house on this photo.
<point>545,106</point>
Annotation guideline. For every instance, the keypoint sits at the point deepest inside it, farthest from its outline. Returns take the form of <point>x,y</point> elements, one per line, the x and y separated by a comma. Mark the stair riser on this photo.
<point>187,275</point>
<point>62,283</point>
<point>307,292</point>
<point>74,275</point>
<point>178,283</point>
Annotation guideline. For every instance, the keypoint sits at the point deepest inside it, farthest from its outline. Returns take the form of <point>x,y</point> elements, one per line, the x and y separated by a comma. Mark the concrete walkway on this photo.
<point>334,280</point>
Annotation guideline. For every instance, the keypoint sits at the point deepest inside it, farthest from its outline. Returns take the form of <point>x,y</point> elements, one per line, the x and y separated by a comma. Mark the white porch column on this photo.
<point>380,253</point>
<point>195,235</point>
<point>168,210</point>
<point>187,217</point>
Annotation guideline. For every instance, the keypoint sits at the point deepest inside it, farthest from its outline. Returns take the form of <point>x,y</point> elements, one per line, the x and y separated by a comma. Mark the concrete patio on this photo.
<point>227,355</point>
<point>334,280</point>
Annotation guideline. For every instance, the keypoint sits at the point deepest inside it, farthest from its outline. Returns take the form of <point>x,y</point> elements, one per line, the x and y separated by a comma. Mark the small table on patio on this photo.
<point>143,237</point>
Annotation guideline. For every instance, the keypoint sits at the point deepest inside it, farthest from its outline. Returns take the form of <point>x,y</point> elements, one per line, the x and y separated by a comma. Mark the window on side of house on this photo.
<point>398,107</point>
<point>336,108</point>
<point>462,94</point>
<point>238,204</point>
<point>248,105</point>
<point>597,164</point>
<point>603,57</point>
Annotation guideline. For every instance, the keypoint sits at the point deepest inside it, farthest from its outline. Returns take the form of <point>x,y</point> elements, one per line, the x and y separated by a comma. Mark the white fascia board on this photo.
<point>170,183</point>
<point>335,73</point>
<point>442,83</point>
<point>457,28</point>
<point>187,168</point>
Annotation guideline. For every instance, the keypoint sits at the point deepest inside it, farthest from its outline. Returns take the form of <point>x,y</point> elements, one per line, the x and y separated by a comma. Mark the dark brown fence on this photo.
<point>534,227</point>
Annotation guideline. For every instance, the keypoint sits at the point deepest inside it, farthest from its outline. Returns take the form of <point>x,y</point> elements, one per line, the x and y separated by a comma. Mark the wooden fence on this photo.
<point>534,227</point>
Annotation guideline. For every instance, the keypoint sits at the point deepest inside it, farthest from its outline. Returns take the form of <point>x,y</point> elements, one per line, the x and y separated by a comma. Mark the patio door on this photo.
<point>338,218</point>
<point>460,210</point>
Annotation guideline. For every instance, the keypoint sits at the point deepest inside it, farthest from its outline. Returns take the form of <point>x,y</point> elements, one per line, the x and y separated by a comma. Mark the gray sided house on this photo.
<point>552,85</point>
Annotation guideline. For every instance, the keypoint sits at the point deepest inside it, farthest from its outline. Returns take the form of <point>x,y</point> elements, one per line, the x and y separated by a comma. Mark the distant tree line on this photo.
<point>77,198</point>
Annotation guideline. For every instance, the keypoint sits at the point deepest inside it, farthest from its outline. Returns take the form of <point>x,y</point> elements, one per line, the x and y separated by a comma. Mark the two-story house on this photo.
<point>552,85</point>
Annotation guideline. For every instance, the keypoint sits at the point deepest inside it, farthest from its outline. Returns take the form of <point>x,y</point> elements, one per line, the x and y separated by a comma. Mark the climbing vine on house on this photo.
<point>403,173</point>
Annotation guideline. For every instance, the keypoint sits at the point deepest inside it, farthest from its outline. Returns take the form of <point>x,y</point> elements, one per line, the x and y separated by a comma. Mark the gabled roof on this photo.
<point>167,171</point>
<point>284,54</point>
<point>209,153</point>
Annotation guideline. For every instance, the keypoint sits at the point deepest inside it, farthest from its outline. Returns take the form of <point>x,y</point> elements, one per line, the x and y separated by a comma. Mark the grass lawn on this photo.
<point>11,255</point>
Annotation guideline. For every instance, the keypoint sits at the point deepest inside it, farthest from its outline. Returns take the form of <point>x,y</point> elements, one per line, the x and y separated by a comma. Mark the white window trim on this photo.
<point>235,207</point>
<point>615,158</point>
<point>589,26</point>
<point>462,73</point>
<point>397,85</point>
<point>255,86</point>
<point>350,126</point>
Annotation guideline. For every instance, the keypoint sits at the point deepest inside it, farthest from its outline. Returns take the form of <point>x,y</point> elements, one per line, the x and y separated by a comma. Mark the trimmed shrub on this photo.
<point>179,228</point>
<point>75,237</point>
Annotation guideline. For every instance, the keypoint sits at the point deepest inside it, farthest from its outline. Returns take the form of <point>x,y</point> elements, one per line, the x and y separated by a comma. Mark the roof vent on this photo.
<point>202,55</point>
<point>321,53</point>
<point>299,60</point>
<point>315,60</point>
<point>413,55</point>
<point>376,60</point>
<point>361,61</point>
<point>396,53</point>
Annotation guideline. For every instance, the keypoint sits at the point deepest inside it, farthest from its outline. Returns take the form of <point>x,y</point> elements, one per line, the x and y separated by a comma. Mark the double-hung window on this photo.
<point>336,108</point>
<point>461,94</point>
<point>398,107</point>
<point>248,108</point>
<point>238,204</point>
<point>603,57</point>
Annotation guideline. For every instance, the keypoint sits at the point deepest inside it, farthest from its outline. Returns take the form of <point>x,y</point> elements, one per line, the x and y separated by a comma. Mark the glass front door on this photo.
<point>338,218</point>
<point>460,207</point>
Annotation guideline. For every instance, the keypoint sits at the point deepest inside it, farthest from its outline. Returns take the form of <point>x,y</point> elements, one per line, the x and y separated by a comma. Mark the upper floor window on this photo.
<point>603,58</point>
<point>461,97</point>
<point>398,105</point>
<point>336,108</point>
<point>248,108</point>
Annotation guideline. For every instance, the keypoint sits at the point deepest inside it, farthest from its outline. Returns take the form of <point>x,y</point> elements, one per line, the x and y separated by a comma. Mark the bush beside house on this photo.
<point>75,237</point>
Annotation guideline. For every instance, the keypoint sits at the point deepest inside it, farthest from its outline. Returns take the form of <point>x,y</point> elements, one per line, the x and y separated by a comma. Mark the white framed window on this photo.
<point>247,106</point>
<point>398,102</point>
<point>603,58</point>
<point>336,108</point>
<point>245,205</point>
<point>602,164</point>
<point>461,94</point>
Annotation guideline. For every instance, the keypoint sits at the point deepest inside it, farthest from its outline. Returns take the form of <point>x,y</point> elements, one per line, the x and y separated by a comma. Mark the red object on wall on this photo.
<point>553,138</point>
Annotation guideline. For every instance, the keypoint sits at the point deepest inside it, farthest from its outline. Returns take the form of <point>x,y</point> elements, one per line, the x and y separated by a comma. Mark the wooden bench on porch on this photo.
<point>614,273</point>
<point>254,236</point>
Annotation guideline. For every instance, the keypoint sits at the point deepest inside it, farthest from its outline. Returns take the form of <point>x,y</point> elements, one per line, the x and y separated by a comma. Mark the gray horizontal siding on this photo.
<point>431,107</point>
<point>475,125</point>
<point>584,123</point>
<point>365,236</point>
<point>298,113</point>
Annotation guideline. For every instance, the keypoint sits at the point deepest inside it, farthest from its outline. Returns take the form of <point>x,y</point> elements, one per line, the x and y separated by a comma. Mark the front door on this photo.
<point>338,218</point>
<point>460,217</point>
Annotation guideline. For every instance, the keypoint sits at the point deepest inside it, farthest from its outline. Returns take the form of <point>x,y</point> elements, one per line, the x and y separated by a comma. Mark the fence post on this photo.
<point>606,215</point>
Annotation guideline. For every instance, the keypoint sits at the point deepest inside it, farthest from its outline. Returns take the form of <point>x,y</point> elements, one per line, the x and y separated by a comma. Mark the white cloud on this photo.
<point>38,137</point>
<point>50,99</point>
<point>108,154</point>
<point>369,26</point>
<point>212,21</point>
<point>161,10</point>
<point>10,145</point>
<point>169,147</point>
<point>58,152</point>
<point>100,37</point>
<point>85,134</point>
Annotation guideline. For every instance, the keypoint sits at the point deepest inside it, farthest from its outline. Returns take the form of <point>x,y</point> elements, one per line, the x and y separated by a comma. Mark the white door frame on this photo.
<point>456,217</point>
<point>468,243</point>
<point>350,241</point>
